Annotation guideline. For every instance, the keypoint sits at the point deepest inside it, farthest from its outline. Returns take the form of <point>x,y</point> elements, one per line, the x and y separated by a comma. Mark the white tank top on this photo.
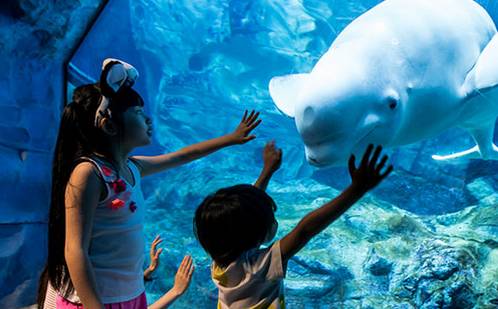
<point>117,245</point>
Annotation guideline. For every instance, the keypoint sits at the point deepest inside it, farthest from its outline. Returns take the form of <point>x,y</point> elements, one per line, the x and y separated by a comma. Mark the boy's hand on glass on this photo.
<point>272,157</point>
<point>183,275</point>
<point>247,124</point>
<point>368,174</point>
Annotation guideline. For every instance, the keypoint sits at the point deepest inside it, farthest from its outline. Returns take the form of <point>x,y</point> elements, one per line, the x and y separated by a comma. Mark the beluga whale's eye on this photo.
<point>392,103</point>
<point>391,98</point>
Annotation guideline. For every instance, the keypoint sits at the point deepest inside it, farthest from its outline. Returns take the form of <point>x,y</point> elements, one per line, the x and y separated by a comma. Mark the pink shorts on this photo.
<point>139,302</point>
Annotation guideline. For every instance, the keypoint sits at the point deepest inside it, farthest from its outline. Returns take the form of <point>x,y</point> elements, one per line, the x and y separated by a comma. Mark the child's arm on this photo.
<point>81,198</point>
<point>182,281</point>
<point>272,158</point>
<point>364,178</point>
<point>155,164</point>
<point>154,258</point>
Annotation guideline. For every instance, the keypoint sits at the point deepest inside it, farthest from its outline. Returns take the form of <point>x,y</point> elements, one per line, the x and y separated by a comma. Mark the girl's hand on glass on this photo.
<point>246,125</point>
<point>183,275</point>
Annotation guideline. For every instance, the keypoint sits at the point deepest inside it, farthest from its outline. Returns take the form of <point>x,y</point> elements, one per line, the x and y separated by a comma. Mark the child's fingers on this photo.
<point>253,119</point>
<point>270,147</point>
<point>387,172</point>
<point>351,164</point>
<point>375,157</point>
<point>381,164</point>
<point>366,156</point>
<point>244,117</point>
<point>250,122</point>
<point>249,138</point>
<point>182,265</point>
<point>248,119</point>
<point>153,249</point>
<point>190,272</point>
<point>186,266</point>
<point>254,125</point>
<point>185,263</point>
<point>155,243</point>
<point>189,265</point>
<point>156,256</point>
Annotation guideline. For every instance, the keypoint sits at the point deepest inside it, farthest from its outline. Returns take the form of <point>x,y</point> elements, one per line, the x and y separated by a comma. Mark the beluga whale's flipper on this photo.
<point>480,92</point>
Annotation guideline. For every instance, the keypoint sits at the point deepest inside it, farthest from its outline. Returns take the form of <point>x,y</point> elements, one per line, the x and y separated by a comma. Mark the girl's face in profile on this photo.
<point>137,127</point>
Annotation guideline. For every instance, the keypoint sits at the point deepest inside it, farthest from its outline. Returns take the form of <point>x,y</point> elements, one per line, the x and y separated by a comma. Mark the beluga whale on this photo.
<point>402,72</point>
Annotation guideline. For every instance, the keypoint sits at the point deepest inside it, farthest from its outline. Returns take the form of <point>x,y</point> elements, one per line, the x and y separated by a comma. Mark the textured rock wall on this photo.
<point>35,38</point>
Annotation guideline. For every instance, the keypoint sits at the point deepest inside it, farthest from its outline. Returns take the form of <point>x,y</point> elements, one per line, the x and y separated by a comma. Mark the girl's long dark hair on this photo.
<point>78,137</point>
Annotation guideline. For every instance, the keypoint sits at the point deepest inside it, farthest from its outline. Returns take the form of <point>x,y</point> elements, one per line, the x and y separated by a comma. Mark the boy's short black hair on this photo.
<point>234,220</point>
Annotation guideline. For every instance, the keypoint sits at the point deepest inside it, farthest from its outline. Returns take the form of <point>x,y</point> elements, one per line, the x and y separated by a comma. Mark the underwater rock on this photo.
<point>439,275</point>
<point>313,278</point>
<point>377,265</point>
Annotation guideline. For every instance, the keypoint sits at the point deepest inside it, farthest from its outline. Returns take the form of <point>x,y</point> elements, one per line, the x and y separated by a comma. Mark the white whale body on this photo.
<point>402,72</point>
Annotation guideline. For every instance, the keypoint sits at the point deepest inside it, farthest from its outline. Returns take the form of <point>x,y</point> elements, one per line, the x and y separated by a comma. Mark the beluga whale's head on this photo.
<point>339,108</point>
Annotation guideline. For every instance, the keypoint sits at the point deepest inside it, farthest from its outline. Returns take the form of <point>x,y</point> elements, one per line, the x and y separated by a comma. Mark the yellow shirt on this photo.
<point>254,280</point>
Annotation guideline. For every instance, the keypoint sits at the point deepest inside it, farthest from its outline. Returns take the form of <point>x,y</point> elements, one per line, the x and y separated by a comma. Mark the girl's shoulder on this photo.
<point>101,167</point>
<point>84,181</point>
<point>84,170</point>
<point>93,172</point>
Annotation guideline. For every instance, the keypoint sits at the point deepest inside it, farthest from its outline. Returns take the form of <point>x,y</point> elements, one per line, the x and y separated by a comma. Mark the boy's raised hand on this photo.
<point>368,174</point>
<point>272,157</point>
<point>247,124</point>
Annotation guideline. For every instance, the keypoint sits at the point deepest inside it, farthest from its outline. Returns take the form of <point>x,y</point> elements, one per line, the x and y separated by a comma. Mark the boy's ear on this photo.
<point>108,126</point>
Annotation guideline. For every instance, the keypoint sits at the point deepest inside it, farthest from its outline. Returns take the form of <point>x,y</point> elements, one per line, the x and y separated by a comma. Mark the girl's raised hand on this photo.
<point>247,124</point>
<point>183,275</point>
<point>368,174</point>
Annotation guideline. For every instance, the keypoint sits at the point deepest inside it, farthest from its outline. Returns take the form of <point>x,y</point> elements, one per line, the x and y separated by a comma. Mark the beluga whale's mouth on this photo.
<point>364,138</point>
<point>315,162</point>
<point>342,153</point>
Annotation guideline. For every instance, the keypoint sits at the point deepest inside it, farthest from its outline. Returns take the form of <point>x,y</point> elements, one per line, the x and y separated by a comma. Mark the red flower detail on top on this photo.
<point>107,171</point>
<point>117,204</point>
<point>133,206</point>
<point>118,186</point>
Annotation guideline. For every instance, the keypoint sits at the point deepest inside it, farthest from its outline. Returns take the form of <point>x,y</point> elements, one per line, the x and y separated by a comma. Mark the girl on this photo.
<point>96,241</point>
<point>182,278</point>
<point>232,223</point>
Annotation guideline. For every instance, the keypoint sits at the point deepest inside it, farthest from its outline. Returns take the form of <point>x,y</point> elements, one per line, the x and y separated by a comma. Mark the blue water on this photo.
<point>201,64</point>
